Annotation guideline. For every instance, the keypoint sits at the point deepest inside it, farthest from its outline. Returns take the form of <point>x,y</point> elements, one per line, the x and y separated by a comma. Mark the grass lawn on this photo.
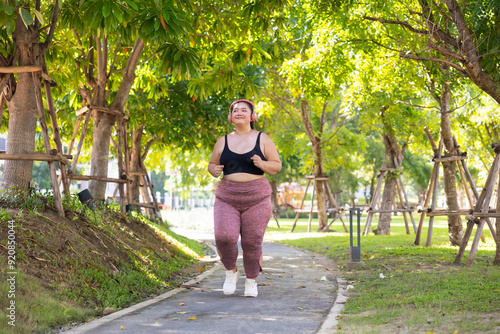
<point>422,290</point>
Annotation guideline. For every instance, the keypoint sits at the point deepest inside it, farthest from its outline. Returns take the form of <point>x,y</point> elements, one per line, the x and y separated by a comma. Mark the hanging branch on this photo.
<point>118,44</point>
<point>52,27</point>
<point>148,147</point>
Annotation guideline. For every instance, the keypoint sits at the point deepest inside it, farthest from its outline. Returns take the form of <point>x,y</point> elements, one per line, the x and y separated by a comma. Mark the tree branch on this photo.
<point>401,23</point>
<point>306,120</point>
<point>148,147</point>
<point>322,120</point>
<point>455,66</point>
<point>445,51</point>
<point>467,102</point>
<point>414,105</point>
<point>52,27</point>
<point>118,44</point>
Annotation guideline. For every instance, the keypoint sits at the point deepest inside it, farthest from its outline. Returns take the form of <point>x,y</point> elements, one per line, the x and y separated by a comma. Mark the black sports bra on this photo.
<point>241,163</point>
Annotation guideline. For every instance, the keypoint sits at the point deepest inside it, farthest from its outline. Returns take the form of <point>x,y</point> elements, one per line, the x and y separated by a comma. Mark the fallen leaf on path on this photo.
<point>121,327</point>
<point>300,308</point>
<point>192,318</point>
<point>300,287</point>
<point>180,304</point>
<point>181,312</point>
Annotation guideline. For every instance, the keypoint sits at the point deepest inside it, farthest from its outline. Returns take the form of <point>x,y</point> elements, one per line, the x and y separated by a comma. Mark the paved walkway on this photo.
<point>297,290</point>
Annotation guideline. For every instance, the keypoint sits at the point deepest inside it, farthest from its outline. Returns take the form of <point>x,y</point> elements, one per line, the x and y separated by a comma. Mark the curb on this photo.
<point>330,325</point>
<point>89,326</point>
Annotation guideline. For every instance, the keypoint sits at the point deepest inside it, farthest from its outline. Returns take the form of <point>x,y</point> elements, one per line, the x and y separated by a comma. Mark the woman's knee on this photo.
<point>252,245</point>
<point>226,239</point>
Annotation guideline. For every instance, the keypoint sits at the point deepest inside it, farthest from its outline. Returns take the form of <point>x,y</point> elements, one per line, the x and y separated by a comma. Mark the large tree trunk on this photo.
<point>103,123</point>
<point>99,159</point>
<point>455,229</point>
<point>274,200</point>
<point>319,188</point>
<point>23,112</point>
<point>318,163</point>
<point>392,153</point>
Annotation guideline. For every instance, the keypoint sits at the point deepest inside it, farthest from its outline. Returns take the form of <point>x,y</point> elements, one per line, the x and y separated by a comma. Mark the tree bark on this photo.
<point>103,123</point>
<point>23,112</point>
<point>455,229</point>
<point>318,164</point>
<point>320,189</point>
<point>274,200</point>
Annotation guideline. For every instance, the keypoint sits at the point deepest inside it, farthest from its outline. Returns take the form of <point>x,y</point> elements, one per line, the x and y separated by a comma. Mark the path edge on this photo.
<point>88,326</point>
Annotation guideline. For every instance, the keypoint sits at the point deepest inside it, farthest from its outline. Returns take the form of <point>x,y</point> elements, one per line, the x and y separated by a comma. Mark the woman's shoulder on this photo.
<point>264,136</point>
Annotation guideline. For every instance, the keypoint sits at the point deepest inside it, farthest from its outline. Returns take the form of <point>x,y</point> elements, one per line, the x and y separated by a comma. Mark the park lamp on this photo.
<point>85,197</point>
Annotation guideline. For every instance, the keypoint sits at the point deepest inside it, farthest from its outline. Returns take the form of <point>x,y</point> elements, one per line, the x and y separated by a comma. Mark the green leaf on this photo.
<point>26,17</point>
<point>106,9</point>
<point>39,16</point>
<point>8,8</point>
<point>118,14</point>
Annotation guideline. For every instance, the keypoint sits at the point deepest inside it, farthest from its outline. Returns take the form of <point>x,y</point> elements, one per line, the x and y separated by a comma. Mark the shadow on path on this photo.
<point>296,292</point>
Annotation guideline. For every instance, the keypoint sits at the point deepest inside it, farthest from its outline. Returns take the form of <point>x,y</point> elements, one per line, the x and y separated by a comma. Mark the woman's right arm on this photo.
<point>214,166</point>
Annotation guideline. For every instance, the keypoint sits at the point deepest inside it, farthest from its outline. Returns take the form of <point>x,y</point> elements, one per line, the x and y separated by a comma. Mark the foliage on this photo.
<point>442,295</point>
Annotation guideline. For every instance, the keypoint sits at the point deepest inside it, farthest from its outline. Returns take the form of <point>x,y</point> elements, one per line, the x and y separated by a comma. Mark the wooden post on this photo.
<point>75,132</point>
<point>335,204</point>
<point>483,205</point>
<point>301,206</point>
<point>57,136</point>
<point>119,153</point>
<point>435,170</point>
<point>374,202</point>
<point>400,194</point>
<point>312,207</point>
<point>80,144</point>
<point>434,194</point>
<point>127,159</point>
<point>46,142</point>
<point>407,203</point>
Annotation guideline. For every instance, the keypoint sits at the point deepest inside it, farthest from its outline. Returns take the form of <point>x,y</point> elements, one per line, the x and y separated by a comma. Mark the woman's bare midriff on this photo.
<point>242,177</point>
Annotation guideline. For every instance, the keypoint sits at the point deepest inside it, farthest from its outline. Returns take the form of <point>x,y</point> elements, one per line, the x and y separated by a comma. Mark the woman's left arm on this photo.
<point>272,164</point>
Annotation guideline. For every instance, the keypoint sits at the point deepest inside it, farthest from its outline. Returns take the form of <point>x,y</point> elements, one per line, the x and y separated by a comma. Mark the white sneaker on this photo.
<point>251,288</point>
<point>230,284</point>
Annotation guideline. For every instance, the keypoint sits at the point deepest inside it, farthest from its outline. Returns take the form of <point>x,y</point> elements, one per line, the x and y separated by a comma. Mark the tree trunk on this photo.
<point>318,163</point>
<point>103,123</point>
<point>455,229</point>
<point>392,151</point>
<point>21,136</point>
<point>23,112</point>
<point>274,200</point>
<point>319,188</point>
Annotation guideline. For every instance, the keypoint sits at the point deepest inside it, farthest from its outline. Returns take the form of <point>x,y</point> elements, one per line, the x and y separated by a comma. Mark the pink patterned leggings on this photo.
<point>242,208</point>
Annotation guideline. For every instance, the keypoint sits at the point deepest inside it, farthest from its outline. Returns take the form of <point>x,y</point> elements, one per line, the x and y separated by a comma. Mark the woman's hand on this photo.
<point>217,170</point>
<point>257,161</point>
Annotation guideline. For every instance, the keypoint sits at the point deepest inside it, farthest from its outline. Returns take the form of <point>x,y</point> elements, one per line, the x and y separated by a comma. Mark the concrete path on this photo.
<point>297,290</point>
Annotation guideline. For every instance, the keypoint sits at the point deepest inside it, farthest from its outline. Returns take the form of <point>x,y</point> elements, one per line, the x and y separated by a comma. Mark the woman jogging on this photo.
<point>243,197</point>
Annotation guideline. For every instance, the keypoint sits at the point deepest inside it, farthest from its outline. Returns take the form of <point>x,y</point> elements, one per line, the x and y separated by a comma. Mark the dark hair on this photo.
<point>248,103</point>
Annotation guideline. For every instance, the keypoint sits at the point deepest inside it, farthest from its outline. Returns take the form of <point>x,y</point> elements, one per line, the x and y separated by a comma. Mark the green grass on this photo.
<point>422,290</point>
<point>36,307</point>
<point>136,264</point>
